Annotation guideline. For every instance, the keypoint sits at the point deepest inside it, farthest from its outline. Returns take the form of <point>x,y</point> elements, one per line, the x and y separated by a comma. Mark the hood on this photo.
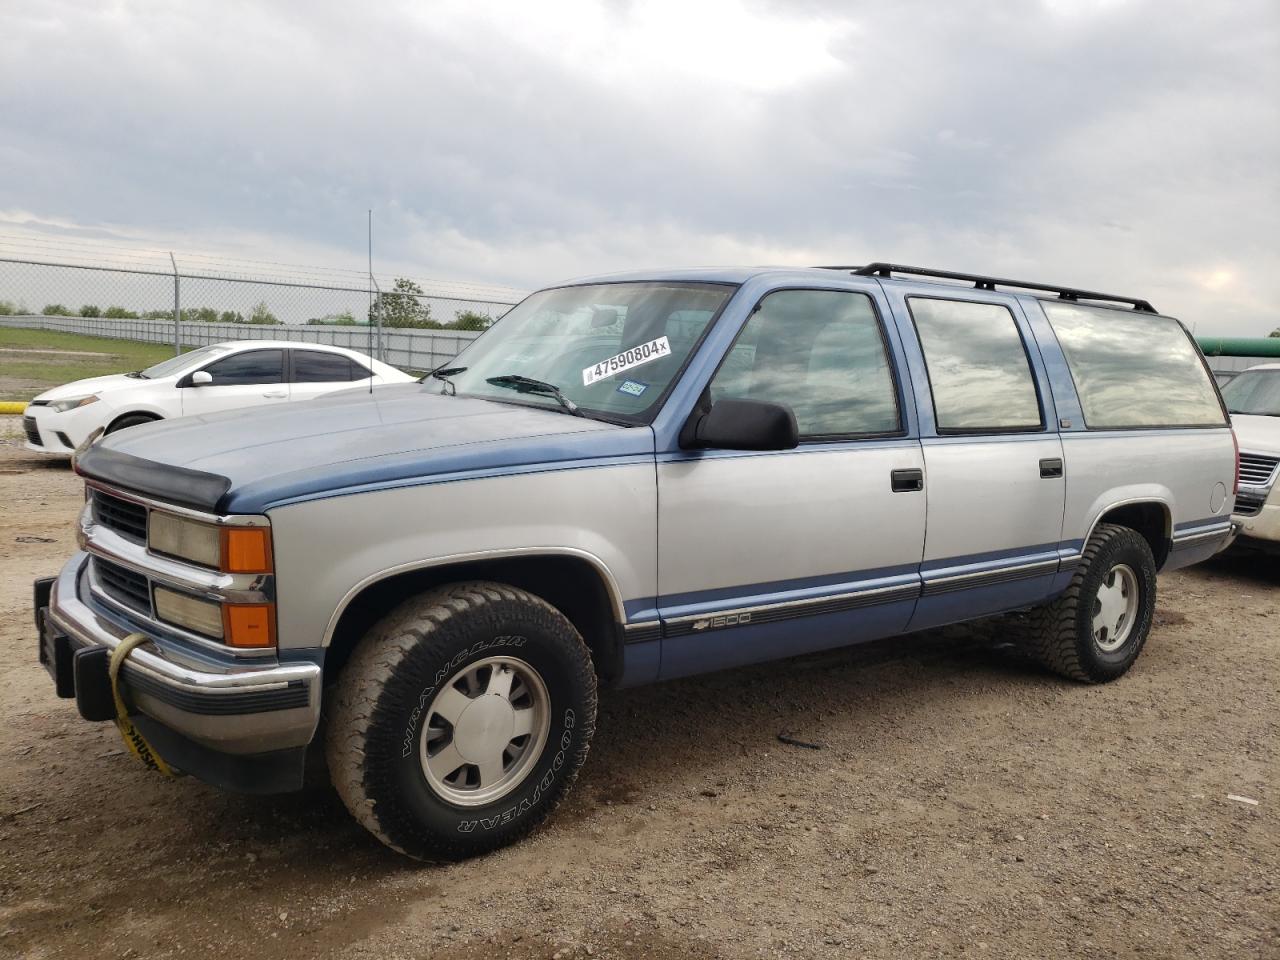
<point>245,461</point>
<point>1257,434</point>
<point>80,388</point>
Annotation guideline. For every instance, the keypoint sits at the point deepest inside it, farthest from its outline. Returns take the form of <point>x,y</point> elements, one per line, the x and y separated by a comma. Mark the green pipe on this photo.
<point>1240,346</point>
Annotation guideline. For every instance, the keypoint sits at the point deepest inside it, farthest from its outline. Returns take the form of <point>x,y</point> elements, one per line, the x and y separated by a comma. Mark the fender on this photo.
<point>611,586</point>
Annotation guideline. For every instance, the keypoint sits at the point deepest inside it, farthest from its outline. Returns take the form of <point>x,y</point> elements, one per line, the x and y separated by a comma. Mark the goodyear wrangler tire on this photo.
<point>1095,630</point>
<point>461,720</point>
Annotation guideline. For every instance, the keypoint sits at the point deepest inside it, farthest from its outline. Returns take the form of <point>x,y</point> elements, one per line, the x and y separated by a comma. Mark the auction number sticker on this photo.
<point>628,359</point>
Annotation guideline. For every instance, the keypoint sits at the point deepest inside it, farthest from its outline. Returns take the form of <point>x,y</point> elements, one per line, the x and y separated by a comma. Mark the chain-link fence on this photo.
<point>422,325</point>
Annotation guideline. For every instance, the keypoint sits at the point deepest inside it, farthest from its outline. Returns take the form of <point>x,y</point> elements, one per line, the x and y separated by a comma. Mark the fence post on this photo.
<point>177,309</point>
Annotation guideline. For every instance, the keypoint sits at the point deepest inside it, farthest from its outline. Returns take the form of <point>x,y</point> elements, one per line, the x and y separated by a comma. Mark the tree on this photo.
<point>89,310</point>
<point>402,308</point>
<point>231,316</point>
<point>56,310</point>
<point>8,308</point>
<point>200,315</point>
<point>470,320</point>
<point>120,313</point>
<point>1274,333</point>
<point>262,316</point>
<point>343,319</point>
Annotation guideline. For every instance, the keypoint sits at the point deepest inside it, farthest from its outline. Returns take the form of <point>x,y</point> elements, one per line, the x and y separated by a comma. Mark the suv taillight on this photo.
<point>1235,489</point>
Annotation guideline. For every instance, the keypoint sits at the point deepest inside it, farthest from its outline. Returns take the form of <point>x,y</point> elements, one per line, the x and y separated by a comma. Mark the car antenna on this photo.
<point>369,315</point>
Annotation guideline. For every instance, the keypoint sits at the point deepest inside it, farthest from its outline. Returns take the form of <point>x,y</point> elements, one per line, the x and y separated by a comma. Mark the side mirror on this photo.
<point>201,378</point>
<point>748,425</point>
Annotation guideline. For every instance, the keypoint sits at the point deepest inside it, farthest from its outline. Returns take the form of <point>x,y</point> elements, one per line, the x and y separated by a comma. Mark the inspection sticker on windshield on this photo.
<point>640,354</point>
<point>633,388</point>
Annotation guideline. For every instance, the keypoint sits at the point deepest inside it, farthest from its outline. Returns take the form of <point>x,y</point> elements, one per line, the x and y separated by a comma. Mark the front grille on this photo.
<point>121,516</point>
<point>33,435</point>
<point>1257,470</point>
<point>123,585</point>
<point>1249,504</point>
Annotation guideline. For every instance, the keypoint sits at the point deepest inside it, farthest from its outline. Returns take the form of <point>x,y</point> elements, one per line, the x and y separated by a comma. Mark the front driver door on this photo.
<point>764,555</point>
<point>249,378</point>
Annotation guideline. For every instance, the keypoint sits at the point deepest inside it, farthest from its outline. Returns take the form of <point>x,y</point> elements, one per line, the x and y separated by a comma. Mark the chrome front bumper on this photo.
<point>249,707</point>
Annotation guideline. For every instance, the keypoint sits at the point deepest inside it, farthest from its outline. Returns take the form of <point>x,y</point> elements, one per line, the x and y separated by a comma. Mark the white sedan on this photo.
<point>221,376</point>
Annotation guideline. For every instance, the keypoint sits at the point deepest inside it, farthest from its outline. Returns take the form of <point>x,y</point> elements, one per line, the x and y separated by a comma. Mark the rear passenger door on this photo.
<point>994,482</point>
<point>769,554</point>
<point>317,372</point>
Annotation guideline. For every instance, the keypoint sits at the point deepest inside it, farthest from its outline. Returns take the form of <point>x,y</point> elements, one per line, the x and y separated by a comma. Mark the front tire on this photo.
<point>1095,630</point>
<point>461,720</point>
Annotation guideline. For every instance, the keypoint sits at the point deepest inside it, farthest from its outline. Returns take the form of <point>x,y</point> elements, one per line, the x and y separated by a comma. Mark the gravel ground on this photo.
<point>962,803</point>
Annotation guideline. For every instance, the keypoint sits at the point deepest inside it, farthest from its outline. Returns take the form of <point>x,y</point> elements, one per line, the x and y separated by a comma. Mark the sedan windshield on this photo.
<point>1254,392</point>
<point>610,350</point>
<point>167,368</point>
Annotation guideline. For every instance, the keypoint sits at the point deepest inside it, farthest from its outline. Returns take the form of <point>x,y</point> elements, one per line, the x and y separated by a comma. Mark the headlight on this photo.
<point>62,406</point>
<point>185,539</point>
<point>230,549</point>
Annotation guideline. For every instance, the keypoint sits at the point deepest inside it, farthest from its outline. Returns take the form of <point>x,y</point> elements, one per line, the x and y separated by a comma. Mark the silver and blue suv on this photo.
<point>628,479</point>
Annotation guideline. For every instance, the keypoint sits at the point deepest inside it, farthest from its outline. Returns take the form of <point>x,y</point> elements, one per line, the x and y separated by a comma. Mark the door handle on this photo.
<point>1051,468</point>
<point>906,481</point>
<point>275,396</point>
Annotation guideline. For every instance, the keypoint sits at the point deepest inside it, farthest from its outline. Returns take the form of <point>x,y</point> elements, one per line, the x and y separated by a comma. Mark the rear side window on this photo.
<point>1134,369</point>
<point>252,366</point>
<point>821,353</point>
<point>313,366</point>
<point>978,369</point>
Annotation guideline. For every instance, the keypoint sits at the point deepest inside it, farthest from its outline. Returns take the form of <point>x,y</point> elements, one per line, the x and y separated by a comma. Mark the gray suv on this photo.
<point>627,479</point>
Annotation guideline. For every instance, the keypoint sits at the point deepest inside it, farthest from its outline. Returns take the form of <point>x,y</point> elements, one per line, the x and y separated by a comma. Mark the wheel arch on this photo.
<point>575,583</point>
<point>1150,517</point>
<point>151,415</point>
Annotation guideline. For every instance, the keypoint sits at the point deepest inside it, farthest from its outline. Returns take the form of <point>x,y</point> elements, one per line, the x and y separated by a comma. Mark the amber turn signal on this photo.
<point>246,549</point>
<point>249,625</point>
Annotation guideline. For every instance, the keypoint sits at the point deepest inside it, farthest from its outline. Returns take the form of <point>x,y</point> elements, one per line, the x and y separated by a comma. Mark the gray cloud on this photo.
<point>1111,144</point>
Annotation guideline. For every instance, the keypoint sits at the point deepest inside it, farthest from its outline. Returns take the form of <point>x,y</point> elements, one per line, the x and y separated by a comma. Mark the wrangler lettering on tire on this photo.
<point>461,720</point>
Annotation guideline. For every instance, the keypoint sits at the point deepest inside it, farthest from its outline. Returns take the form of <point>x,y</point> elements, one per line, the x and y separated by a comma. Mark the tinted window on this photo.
<point>312,366</point>
<point>253,366</point>
<point>978,368</point>
<point>819,352</point>
<point>1134,369</point>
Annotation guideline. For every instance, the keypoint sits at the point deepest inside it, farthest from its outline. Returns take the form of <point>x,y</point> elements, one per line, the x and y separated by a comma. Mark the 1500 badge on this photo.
<point>714,623</point>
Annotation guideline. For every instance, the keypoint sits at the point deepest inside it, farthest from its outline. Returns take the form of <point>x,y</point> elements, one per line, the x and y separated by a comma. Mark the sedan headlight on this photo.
<point>62,406</point>
<point>185,539</point>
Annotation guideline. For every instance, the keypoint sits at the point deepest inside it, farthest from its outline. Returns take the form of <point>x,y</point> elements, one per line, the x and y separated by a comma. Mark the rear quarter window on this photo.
<point>1134,369</point>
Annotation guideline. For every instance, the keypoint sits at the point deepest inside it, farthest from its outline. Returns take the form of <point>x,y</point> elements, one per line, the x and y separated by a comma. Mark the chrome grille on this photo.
<point>1257,470</point>
<point>122,516</point>
<point>1249,504</point>
<point>123,585</point>
<point>33,435</point>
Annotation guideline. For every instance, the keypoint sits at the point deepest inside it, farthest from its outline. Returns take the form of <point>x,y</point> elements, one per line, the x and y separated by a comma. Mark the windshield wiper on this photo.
<point>530,385</point>
<point>443,374</point>
<point>137,375</point>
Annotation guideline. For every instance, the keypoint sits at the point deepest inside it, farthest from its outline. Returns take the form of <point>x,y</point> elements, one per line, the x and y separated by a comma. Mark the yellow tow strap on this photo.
<point>132,736</point>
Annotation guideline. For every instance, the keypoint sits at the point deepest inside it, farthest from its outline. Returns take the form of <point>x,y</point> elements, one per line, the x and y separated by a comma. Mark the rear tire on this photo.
<point>461,720</point>
<point>1095,630</point>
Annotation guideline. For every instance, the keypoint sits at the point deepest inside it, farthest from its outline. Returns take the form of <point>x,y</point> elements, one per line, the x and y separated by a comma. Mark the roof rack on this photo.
<point>990,283</point>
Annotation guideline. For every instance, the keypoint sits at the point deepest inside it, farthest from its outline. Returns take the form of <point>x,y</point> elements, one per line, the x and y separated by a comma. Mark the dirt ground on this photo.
<point>962,804</point>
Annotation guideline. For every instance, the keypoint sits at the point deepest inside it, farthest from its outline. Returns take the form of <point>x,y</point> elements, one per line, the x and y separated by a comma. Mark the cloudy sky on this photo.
<point>1118,144</point>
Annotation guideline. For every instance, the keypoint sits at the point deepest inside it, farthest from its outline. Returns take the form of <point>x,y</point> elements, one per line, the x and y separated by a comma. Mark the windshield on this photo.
<point>611,349</point>
<point>166,368</point>
<point>1255,392</point>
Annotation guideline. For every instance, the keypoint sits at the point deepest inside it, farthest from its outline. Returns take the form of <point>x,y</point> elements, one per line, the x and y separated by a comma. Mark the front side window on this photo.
<point>1254,393</point>
<point>978,368</point>
<point>612,349</point>
<point>252,366</point>
<point>315,366</point>
<point>1134,369</point>
<point>819,352</point>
